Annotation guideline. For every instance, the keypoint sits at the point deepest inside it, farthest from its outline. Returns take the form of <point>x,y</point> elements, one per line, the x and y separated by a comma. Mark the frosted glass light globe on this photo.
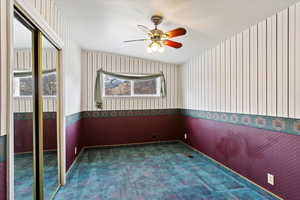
<point>161,49</point>
<point>155,46</point>
<point>149,49</point>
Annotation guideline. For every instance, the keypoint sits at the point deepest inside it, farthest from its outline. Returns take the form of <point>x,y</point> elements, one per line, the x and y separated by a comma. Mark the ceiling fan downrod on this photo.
<point>156,19</point>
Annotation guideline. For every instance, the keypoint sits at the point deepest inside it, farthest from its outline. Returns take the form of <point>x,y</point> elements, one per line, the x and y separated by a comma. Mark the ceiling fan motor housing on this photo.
<point>156,19</point>
<point>156,35</point>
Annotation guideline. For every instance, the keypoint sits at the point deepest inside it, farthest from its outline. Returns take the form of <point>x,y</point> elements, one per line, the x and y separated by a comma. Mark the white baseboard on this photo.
<point>74,162</point>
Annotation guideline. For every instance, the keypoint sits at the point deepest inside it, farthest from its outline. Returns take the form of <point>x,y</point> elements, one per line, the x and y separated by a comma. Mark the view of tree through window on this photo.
<point>49,84</point>
<point>114,86</point>
<point>23,86</point>
<point>145,87</point>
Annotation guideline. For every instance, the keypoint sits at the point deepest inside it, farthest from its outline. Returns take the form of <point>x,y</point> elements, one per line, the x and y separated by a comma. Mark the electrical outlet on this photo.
<point>75,150</point>
<point>271,179</point>
<point>185,136</point>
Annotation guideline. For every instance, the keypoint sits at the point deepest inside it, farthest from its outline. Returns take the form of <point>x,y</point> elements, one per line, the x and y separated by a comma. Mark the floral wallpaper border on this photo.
<point>120,113</point>
<point>2,148</point>
<point>278,124</point>
<point>28,115</point>
<point>130,113</point>
<point>73,118</point>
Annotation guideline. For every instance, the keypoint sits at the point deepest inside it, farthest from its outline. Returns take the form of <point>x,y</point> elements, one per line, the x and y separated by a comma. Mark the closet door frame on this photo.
<point>45,30</point>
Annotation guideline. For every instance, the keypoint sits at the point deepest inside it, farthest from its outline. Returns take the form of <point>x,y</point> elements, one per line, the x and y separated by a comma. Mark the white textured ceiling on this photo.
<point>104,24</point>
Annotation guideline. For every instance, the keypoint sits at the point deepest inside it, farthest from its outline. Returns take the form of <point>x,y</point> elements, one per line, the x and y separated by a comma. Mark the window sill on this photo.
<point>132,97</point>
<point>30,97</point>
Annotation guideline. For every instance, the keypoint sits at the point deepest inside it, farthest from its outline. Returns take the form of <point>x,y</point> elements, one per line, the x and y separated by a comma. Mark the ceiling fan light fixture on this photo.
<point>161,49</point>
<point>155,46</point>
<point>149,49</point>
<point>160,39</point>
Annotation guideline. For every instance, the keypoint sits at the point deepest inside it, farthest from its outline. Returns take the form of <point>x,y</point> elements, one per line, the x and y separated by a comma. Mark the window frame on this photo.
<point>29,96</point>
<point>132,95</point>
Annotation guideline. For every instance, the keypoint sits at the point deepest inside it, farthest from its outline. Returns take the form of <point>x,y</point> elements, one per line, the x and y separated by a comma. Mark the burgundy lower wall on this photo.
<point>3,180</point>
<point>133,129</point>
<point>23,140</point>
<point>3,159</point>
<point>93,131</point>
<point>23,130</point>
<point>73,140</point>
<point>251,152</point>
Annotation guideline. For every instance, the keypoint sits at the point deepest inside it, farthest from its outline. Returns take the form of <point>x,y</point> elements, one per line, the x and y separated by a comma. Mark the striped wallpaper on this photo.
<point>24,104</point>
<point>22,59</point>
<point>3,69</point>
<point>48,11</point>
<point>253,72</point>
<point>22,62</point>
<point>93,60</point>
<point>70,53</point>
<point>54,17</point>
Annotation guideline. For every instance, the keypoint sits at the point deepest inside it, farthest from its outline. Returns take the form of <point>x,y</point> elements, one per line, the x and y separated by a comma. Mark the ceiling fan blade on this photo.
<point>176,32</point>
<point>145,29</point>
<point>173,44</point>
<point>138,40</point>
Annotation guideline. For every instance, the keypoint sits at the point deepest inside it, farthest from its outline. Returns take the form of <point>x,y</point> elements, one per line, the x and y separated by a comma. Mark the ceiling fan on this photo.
<point>159,38</point>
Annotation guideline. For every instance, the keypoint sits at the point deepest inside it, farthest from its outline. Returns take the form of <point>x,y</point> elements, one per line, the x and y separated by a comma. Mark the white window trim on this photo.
<point>17,94</point>
<point>132,95</point>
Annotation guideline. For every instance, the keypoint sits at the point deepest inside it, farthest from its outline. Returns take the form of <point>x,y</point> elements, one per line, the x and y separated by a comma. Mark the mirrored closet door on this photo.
<point>23,110</point>
<point>35,97</point>
<point>49,94</point>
